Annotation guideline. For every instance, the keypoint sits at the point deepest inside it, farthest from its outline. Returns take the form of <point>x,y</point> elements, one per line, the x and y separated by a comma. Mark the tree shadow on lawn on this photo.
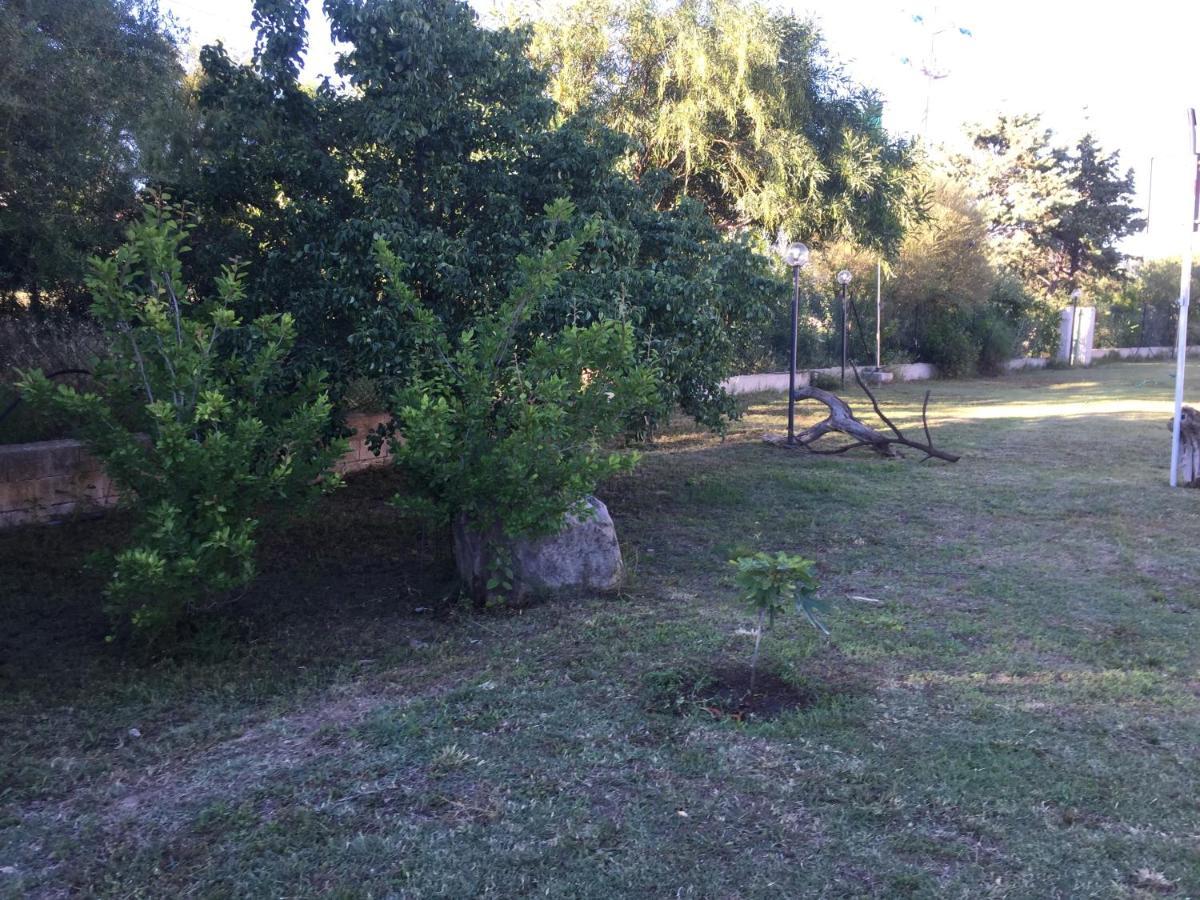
<point>349,575</point>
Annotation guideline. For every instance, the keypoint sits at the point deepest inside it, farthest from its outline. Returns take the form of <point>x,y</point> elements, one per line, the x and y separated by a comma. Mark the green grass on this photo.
<point>1017,715</point>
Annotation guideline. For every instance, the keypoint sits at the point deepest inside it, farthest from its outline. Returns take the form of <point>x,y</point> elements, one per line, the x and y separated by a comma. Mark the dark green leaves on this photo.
<point>769,582</point>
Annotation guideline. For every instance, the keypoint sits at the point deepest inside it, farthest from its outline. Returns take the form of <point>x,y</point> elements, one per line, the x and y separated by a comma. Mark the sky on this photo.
<point>1125,72</point>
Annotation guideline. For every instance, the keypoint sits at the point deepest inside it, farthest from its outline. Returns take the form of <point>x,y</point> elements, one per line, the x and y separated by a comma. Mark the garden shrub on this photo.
<point>948,344</point>
<point>509,434</point>
<point>229,436</point>
<point>824,381</point>
<point>997,342</point>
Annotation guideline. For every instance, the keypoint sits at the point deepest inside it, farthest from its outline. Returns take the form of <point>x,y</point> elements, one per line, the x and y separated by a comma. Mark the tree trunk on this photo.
<point>1189,446</point>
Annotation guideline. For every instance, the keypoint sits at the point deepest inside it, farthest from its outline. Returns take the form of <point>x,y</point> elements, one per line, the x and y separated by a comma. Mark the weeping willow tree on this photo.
<point>741,107</point>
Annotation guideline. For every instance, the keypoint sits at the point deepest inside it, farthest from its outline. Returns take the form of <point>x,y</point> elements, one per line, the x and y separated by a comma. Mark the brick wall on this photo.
<point>53,480</point>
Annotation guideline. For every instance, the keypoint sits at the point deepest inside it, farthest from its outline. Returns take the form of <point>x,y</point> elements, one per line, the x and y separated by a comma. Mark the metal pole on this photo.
<point>791,438</point>
<point>878,312</point>
<point>1185,296</point>
<point>843,293</point>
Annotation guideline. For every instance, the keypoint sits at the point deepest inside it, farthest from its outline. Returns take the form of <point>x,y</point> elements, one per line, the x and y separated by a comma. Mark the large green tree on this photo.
<point>1056,213</point>
<point>440,139</point>
<point>89,105</point>
<point>744,109</point>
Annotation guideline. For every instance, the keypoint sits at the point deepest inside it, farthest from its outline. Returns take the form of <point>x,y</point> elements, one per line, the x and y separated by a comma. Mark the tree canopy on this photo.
<point>442,141</point>
<point>1056,213</point>
<point>89,110</point>
<point>742,106</point>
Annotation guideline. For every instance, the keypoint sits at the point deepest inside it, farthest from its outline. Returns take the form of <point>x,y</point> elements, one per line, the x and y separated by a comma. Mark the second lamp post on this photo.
<point>843,280</point>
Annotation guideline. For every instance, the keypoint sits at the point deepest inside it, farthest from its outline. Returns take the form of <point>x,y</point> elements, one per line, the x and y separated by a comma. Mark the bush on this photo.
<point>948,345</point>
<point>506,435</point>
<point>997,342</point>
<point>825,381</point>
<point>229,439</point>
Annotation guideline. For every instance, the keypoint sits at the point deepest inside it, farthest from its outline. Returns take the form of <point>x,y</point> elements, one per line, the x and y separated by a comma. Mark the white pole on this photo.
<point>1185,296</point>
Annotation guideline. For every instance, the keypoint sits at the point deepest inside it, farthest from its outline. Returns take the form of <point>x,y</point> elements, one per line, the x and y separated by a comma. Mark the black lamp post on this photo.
<point>796,256</point>
<point>843,280</point>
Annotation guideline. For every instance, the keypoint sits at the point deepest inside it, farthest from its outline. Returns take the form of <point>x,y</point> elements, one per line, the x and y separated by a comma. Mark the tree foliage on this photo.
<point>1141,308</point>
<point>442,141</point>
<point>742,107</point>
<point>512,437</point>
<point>90,108</point>
<point>225,435</point>
<point>1056,213</point>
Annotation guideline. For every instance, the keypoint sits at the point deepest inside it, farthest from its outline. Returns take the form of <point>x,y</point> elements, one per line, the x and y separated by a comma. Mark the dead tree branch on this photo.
<point>841,419</point>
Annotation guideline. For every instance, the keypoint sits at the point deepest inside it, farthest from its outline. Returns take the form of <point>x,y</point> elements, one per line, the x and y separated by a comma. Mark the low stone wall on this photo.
<point>1140,352</point>
<point>778,381</point>
<point>1026,362</point>
<point>49,481</point>
<point>769,381</point>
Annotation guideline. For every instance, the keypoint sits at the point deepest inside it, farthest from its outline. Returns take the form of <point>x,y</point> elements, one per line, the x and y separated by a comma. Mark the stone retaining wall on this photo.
<point>1140,352</point>
<point>49,481</point>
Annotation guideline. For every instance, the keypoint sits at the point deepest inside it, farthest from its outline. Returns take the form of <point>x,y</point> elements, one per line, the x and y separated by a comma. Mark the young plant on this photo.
<point>220,436</point>
<point>508,428</point>
<point>768,583</point>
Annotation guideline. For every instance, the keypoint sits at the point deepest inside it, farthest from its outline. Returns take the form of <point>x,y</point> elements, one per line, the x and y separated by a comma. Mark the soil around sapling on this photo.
<point>724,691</point>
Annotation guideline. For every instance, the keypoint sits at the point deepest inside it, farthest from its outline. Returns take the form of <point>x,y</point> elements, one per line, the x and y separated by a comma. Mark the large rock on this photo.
<point>583,557</point>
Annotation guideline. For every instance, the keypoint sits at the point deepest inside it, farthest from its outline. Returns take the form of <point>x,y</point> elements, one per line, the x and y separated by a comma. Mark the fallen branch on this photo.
<point>841,419</point>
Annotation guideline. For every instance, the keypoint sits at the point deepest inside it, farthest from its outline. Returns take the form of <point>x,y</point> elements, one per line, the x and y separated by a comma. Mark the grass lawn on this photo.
<point>1017,716</point>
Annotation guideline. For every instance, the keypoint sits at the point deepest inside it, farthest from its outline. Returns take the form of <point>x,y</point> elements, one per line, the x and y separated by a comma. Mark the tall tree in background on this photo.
<point>742,107</point>
<point>1056,213</point>
<point>89,106</point>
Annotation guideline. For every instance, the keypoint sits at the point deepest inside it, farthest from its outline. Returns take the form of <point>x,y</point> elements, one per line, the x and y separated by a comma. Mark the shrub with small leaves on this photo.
<point>506,426</point>
<point>769,582</point>
<point>223,436</point>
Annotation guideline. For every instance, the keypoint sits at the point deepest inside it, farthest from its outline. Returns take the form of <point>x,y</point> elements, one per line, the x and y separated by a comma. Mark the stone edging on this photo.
<point>50,481</point>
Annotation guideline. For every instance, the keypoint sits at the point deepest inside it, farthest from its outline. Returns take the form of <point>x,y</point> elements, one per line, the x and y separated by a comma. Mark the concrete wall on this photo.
<point>50,481</point>
<point>1141,352</point>
<point>1026,362</point>
<point>778,381</point>
<point>769,381</point>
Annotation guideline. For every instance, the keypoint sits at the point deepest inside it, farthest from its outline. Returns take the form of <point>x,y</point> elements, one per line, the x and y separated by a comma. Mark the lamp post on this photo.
<point>843,280</point>
<point>1075,295</point>
<point>796,256</point>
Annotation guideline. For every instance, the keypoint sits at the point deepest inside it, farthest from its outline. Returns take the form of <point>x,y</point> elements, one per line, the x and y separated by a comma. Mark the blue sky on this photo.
<point>1126,72</point>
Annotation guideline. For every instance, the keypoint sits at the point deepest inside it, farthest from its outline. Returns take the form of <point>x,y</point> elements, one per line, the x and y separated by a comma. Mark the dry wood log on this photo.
<point>841,419</point>
<point>1189,445</point>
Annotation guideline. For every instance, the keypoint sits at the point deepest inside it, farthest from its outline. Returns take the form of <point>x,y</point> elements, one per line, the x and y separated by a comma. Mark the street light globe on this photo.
<point>796,255</point>
<point>844,276</point>
<point>1076,294</point>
